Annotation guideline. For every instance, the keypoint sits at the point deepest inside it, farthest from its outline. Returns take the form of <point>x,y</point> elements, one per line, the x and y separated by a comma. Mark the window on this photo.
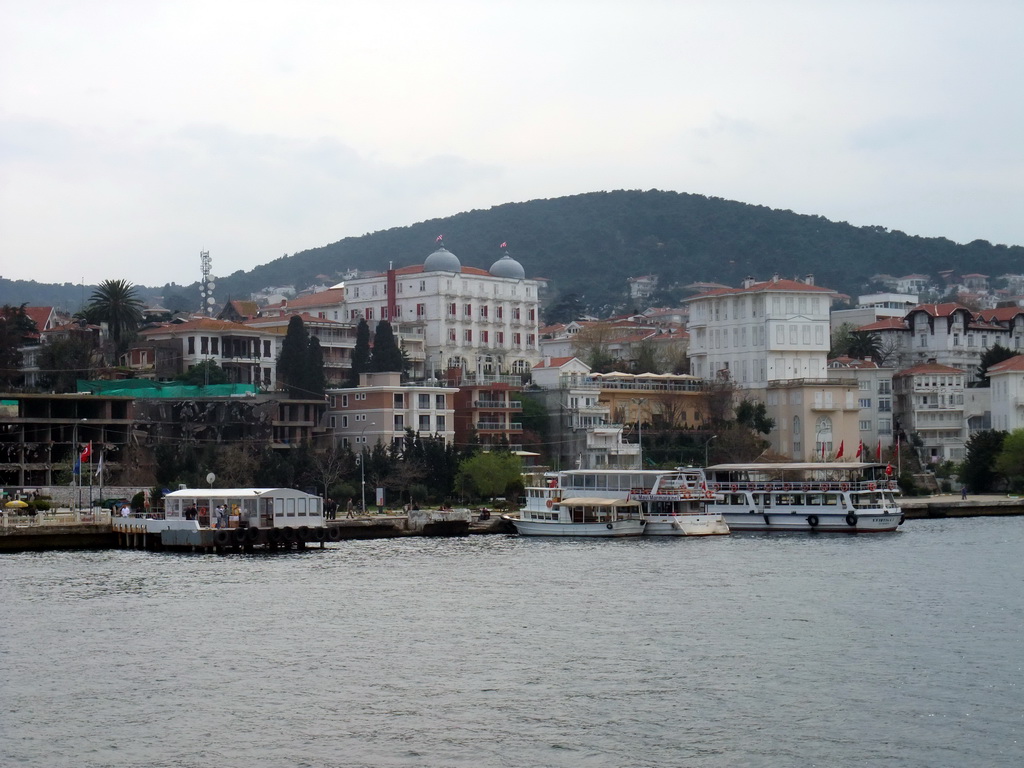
<point>484,337</point>
<point>451,309</point>
<point>399,422</point>
<point>423,400</point>
<point>215,346</point>
<point>533,315</point>
<point>421,310</point>
<point>423,285</point>
<point>424,425</point>
<point>399,400</point>
<point>191,345</point>
<point>344,401</point>
<point>530,339</point>
<point>266,349</point>
<point>515,313</point>
<point>204,343</point>
<point>467,310</point>
<point>865,402</point>
<point>468,336</point>
<point>483,312</point>
<point>517,339</point>
<point>369,313</point>
<point>440,423</point>
<point>334,422</point>
<point>344,422</point>
<point>451,335</point>
<point>439,402</point>
<point>500,312</point>
<point>500,337</point>
<point>865,425</point>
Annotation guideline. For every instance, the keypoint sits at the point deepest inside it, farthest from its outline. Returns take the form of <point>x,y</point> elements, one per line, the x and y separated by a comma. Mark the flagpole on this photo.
<point>90,474</point>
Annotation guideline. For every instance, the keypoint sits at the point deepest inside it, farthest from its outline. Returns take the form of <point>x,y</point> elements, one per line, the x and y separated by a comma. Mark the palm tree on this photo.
<point>115,303</point>
<point>864,345</point>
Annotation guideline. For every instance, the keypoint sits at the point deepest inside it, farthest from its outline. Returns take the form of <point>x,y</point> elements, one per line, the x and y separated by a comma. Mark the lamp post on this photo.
<point>706,444</point>
<point>637,401</point>
<point>362,466</point>
<point>76,462</point>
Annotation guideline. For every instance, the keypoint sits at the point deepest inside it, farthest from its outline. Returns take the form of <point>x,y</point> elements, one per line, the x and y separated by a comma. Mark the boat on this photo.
<point>678,505</point>
<point>223,517</point>
<point>581,516</point>
<point>665,502</point>
<point>845,497</point>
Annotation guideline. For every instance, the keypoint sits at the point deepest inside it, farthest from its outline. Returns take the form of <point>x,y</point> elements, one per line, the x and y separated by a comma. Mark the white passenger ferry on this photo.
<point>663,502</point>
<point>847,497</point>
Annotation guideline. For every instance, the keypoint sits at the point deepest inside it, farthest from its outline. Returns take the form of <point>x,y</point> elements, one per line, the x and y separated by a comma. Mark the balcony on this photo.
<point>492,426</point>
<point>502,404</point>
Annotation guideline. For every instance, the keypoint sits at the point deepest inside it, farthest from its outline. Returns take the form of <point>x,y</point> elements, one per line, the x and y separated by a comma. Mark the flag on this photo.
<point>888,469</point>
<point>878,452</point>
<point>860,449</point>
<point>77,469</point>
<point>839,453</point>
<point>86,452</point>
<point>503,245</point>
<point>99,465</point>
<point>439,238</point>
<point>897,451</point>
<point>822,450</point>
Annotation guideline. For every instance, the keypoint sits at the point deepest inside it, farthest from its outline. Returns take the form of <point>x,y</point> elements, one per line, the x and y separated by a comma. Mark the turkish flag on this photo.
<point>888,469</point>
<point>839,453</point>
<point>86,452</point>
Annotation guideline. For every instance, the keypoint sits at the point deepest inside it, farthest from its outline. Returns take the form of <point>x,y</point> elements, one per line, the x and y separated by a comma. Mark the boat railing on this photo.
<point>857,486</point>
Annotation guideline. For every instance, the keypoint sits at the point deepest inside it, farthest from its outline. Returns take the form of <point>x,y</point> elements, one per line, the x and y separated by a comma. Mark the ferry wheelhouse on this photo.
<point>847,497</point>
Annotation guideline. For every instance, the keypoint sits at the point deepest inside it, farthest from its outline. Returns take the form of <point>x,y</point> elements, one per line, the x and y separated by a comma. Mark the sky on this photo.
<point>135,134</point>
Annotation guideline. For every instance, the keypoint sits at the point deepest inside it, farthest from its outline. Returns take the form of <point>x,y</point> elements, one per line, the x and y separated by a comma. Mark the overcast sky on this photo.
<point>135,134</point>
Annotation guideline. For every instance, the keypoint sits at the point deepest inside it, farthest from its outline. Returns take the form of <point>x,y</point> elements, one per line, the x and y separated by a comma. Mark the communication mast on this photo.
<point>207,284</point>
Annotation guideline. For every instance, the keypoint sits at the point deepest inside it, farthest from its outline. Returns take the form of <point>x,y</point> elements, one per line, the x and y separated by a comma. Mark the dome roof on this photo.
<point>442,260</point>
<point>506,266</point>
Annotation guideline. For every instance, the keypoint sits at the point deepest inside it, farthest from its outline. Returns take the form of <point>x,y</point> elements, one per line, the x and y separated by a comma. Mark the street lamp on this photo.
<point>706,444</point>
<point>637,401</point>
<point>362,465</point>
<point>76,461</point>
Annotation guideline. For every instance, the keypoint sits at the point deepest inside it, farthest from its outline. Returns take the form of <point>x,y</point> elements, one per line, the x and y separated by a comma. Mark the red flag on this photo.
<point>860,449</point>
<point>822,450</point>
<point>839,453</point>
<point>888,469</point>
<point>86,452</point>
<point>878,452</point>
<point>439,237</point>
<point>503,245</point>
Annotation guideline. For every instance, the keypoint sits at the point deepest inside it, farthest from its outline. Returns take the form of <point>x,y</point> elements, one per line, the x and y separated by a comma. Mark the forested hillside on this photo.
<point>589,244</point>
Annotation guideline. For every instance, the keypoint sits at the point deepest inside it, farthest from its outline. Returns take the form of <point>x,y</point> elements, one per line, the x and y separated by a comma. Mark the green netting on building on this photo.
<point>143,389</point>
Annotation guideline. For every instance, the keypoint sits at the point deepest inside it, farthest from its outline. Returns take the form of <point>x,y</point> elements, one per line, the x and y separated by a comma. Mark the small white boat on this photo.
<point>581,516</point>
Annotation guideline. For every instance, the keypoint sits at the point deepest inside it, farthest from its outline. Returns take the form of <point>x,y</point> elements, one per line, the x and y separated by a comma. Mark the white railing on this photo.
<point>12,518</point>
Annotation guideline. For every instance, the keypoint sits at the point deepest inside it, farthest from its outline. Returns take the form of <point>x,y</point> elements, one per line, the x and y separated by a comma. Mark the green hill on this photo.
<point>590,243</point>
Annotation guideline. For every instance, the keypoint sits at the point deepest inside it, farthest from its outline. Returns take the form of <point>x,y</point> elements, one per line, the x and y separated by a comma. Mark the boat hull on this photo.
<point>686,525</point>
<point>821,522</point>
<point>614,529</point>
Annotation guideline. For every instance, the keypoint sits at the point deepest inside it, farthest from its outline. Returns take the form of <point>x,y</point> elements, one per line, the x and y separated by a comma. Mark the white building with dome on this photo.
<point>479,321</point>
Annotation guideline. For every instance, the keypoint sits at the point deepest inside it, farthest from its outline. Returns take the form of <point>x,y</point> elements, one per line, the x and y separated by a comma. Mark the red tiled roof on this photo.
<point>768,285</point>
<point>928,368</point>
<point>1015,363</point>
<point>940,310</point>
<point>1000,314</point>
<point>885,324</point>
<point>39,315</point>
<point>555,362</point>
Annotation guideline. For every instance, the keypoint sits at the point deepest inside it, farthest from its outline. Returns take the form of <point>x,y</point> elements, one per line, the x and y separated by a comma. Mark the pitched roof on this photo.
<point>1012,364</point>
<point>768,285</point>
<point>885,324</point>
<point>940,310</point>
<point>40,316</point>
<point>556,362</point>
<point>845,361</point>
<point>929,368</point>
<point>330,296</point>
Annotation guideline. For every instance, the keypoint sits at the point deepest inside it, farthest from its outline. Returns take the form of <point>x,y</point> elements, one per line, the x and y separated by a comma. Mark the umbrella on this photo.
<point>17,503</point>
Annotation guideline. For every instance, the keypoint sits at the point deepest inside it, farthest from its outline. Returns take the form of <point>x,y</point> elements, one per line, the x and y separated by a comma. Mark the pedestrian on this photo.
<point>349,507</point>
<point>963,492</point>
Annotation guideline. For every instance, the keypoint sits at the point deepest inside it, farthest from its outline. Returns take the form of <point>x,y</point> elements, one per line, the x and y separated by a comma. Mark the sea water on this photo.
<point>900,649</point>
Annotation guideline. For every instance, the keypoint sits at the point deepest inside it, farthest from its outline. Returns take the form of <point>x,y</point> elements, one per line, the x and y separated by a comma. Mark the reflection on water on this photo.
<point>752,650</point>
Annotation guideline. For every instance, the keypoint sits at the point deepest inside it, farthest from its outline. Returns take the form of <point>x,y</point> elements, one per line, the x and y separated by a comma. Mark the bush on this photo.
<point>40,505</point>
<point>139,501</point>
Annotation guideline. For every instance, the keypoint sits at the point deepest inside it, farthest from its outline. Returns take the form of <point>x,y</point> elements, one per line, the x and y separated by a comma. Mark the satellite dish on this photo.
<point>210,478</point>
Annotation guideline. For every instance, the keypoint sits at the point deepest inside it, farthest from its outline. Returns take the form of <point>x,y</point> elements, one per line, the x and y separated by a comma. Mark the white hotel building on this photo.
<point>485,322</point>
<point>760,332</point>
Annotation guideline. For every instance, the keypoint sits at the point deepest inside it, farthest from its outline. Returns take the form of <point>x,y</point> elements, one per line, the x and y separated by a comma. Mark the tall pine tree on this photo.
<point>361,353</point>
<point>387,356</point>
<point>300,366</point>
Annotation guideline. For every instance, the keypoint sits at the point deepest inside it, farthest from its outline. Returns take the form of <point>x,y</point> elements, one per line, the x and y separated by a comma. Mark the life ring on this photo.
<point>715,487</point>
<point>871,486</point>
<point>334,533</point>
<point>252,535</point>
<point>892,485</point>
<point>851,519</point>
<point>550,503</point>
<point>686,494</point>
<point>844,487</point>
<point>222,538</point>
<point>734,487</point>
<point>609,526</point>
<point>787,487</point>
<point>812,520</point>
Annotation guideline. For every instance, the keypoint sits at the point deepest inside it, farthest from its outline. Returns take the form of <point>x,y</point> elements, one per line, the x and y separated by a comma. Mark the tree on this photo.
<point>361,353</point>
<point>315,379</point>
<point>490,474</point>
<point>991,356</point>
<point>842,338</point>
<point>300,366</point>
<point>977,472</point>
<point>386,355</point>
<point>202,374</point>
<point>754,414</point>
<point>15,329</point>
<point>645,359</point>
<point>63,361</point>
<point>864,345</point>
<point>331,465</point>
<point>568,307</point>
<point>116,303</point>
<point>1010,461</point>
